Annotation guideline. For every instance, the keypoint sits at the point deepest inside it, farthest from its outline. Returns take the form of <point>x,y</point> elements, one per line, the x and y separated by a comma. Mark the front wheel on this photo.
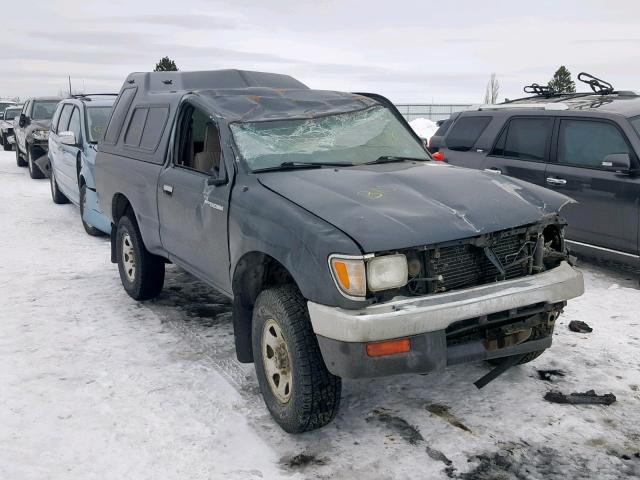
<point>90,229</point>
<point>34,170</point>
<point>141,272</point>
<point>297,388</point>
<point>19,161</point>
<point>5,143</point>
<point>57,196</point>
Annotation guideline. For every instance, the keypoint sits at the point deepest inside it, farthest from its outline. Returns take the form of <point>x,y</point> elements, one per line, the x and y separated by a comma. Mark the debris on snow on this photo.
<point>587,398</point>
<point>550,375</point>
<point>302,460</point>
<point>579,327</point>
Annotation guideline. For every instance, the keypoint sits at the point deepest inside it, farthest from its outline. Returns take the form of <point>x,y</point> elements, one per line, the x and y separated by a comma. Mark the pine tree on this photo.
<point>562,82</point>
<point>166,65</point>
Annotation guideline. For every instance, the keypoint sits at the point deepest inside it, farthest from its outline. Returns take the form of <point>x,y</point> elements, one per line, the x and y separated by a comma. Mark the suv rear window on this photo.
<point>442,129</point>
<point>525,139</point>
<point>465,132</point>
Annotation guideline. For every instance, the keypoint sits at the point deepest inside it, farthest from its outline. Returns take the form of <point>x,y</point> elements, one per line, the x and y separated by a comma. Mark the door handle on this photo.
<point>167,189</point>
<point>493,170</point>
<point>556,181</point>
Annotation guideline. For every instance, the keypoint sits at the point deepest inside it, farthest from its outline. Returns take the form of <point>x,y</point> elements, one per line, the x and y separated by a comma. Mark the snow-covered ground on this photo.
<point>424,127</point>
<point>94,385</point>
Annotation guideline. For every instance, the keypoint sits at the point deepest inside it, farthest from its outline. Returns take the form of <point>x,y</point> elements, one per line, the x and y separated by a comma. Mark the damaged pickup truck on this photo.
<point>346,251</point>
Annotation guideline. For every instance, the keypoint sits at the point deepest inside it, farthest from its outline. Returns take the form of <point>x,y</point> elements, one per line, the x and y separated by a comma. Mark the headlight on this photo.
<point>387,272</point>
<point>353,274</point>
<point>40,134</point>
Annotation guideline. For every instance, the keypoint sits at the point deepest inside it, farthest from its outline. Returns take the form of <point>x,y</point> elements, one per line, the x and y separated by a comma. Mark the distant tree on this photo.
<point>166,65</point>
<point>562,82</point>
<point>492,91</point>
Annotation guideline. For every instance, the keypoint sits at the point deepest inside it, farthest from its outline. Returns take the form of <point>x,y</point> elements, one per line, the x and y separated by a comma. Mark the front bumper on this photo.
<point>343,334</point>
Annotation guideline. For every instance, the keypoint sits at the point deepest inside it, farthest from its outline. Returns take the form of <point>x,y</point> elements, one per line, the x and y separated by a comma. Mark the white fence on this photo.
<point>432,111</point>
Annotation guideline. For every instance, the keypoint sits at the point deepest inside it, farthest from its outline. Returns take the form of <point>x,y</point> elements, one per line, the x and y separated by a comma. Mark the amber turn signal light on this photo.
<point>393,347</point>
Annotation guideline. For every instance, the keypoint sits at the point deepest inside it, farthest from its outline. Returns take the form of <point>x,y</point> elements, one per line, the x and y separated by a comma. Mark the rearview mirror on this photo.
<point>617,162</point>
<point>67,138</point>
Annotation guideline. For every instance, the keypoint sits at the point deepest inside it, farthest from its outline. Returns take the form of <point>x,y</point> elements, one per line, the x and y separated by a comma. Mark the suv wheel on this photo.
<point>297,388</point>
<point>141,273</point>
<point>34,170</point>
<point>90,229</point>
<point>5,143</point>
<point>57,196</point>
<point>19,161</point>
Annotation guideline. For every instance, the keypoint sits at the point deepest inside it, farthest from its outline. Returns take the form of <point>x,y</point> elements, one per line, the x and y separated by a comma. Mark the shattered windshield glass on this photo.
<point>351,138</point>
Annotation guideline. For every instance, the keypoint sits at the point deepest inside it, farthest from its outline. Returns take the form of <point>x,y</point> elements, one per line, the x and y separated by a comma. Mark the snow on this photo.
<point>95,385</point>
<point>424,128</point>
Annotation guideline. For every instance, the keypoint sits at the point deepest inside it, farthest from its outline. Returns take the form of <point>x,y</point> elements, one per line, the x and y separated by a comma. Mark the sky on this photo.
<point>410,51</point>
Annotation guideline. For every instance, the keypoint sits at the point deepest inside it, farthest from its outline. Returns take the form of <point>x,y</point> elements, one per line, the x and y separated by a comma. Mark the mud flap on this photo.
<point>44,164</point>
<point>92,216</point>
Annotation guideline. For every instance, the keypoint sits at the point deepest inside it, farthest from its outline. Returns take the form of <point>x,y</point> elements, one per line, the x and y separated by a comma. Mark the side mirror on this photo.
<point>68,138</point>
<point>217,181</point>
<point>617,162</point>
<point>23,120</point>
<point>1,115</point>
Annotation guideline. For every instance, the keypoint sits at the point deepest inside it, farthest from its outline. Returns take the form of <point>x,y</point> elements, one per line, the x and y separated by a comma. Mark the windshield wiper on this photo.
<point>296,165</point>
<point>392,158</point>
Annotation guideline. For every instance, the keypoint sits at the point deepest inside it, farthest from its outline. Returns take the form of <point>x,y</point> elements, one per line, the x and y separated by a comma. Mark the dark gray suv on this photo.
<point>586,146</point>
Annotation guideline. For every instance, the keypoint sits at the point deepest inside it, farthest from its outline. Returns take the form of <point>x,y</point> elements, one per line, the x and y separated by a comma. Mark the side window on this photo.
<point>199,145</point>
<point>136,124</point>
<point>74,124</point>
<point>586,143</point>
<point>119,113</point>
<point>56,117</point>
<point>153,129</point>
<point>525,139</point>
<point>65,115</point>
<point>465,132</point>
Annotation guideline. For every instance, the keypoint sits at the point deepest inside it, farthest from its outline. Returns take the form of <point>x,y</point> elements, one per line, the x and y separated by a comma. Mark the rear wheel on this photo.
<point>57,196</point>
<point>141,272</point>
<point>19,161</point>
<point>297,388</point>
<point>34,170</point>
<point>90,229</point>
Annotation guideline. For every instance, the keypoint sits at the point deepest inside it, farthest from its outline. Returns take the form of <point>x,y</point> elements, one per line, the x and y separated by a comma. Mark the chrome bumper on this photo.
<point>416,315</point>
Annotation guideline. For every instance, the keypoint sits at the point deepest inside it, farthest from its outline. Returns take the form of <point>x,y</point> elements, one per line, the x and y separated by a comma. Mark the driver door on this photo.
<point>193,199</point>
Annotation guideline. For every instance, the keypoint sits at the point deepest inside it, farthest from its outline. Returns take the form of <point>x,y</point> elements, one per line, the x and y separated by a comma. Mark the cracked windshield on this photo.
<point>351,138</point>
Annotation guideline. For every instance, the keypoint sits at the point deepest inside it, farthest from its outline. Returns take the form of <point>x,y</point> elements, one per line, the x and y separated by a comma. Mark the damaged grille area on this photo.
<point>466,265</point>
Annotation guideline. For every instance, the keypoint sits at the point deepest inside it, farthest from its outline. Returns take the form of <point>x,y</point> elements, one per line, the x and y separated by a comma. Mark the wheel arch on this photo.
<point>254,272</point>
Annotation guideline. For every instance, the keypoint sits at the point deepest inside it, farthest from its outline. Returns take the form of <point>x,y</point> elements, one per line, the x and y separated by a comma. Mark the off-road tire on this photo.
<point>315,392</point>
<point>90,229</point>
<point>148,277</point>
<point>57,196</point>
<point>34,170</point>
<point>19,161</point>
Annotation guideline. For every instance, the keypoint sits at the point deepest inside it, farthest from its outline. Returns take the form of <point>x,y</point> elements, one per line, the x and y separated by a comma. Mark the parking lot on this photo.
<point>96,385</point>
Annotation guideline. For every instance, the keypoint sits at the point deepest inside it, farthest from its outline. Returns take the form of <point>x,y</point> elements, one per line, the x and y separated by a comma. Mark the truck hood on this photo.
<point>401,205</point>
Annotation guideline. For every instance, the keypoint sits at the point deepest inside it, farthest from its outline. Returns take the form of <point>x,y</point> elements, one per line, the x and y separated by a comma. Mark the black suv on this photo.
<point>345,250</point>
<point>585,145</point>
